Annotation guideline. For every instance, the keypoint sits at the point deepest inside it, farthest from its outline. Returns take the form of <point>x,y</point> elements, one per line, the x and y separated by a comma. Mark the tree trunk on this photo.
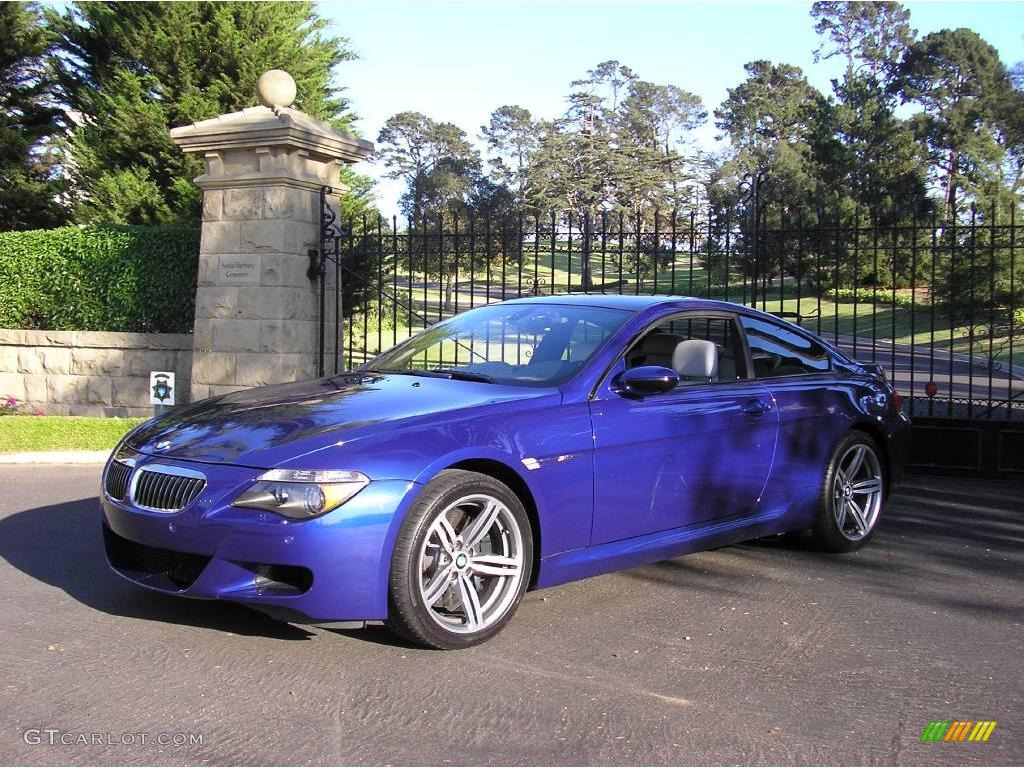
<point>449,289</point>
<point>586,276</point>
<point>950,202</point>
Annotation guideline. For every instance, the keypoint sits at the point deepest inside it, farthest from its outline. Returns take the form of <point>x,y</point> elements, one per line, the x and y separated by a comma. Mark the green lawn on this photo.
<point>61,433</point>
<point>882,322</point>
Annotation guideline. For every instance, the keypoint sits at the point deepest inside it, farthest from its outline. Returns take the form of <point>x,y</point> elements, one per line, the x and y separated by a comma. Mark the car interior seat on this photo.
<point>726,364</point>
<point>582,350</point>
<point>654,349</point>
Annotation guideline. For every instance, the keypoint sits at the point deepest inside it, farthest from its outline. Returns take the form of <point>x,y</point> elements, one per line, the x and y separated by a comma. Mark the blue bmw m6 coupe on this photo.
<point>515,446</point>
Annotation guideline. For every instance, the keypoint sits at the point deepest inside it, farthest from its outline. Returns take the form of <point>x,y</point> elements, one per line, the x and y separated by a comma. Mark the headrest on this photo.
<point>696,360</point>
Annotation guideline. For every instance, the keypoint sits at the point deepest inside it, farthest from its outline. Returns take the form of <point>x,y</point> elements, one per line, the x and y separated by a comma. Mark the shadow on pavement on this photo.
<point>62,545</point>
<point>952,545</point>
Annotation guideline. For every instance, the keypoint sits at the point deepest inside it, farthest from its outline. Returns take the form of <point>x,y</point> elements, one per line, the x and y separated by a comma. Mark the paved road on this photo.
<point>759,653</point>
<point>957,375</point>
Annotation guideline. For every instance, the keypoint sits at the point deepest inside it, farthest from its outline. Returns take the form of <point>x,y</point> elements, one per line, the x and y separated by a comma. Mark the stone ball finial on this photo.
<point>276,88</point>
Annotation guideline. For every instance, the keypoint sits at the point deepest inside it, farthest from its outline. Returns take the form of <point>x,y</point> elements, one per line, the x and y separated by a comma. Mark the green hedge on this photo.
<point>99,278</point>
<point>868,295</point>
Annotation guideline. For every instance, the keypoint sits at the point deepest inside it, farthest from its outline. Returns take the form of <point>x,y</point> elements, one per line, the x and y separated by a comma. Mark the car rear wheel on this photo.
<point>462,562</point>
<point>852,495</point>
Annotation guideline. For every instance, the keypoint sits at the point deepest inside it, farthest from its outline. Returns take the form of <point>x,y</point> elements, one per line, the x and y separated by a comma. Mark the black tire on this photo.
<point>428,562</point>
<point>840,527</point>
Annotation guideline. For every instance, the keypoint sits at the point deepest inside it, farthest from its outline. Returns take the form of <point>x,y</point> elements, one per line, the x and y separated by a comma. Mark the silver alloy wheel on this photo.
<point>857,492</point>
<point>471,564</point>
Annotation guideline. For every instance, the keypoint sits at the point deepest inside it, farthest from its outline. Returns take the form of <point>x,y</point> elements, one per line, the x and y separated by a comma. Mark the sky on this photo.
<point>458,61</point>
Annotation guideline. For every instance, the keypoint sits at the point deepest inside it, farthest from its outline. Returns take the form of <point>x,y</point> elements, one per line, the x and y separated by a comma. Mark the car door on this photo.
<point>699,452</point>
<point>797,370</point>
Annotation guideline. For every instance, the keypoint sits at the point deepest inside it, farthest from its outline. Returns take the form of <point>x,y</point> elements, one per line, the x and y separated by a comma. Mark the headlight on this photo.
<point>301,494</point>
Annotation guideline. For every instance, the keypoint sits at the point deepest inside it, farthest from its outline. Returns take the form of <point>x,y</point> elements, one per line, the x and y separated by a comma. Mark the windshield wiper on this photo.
<point>462,375</point>
<point>435,373</point>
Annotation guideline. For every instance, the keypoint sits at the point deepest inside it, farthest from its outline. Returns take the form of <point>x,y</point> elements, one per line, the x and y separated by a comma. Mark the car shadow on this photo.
<point>928,526</point>
<point>62,545</point>
<point>932,532</point>
<point>378,634</point>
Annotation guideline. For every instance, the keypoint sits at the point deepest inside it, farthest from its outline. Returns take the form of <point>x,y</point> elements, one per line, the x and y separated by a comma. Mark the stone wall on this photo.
<point>72,373</point>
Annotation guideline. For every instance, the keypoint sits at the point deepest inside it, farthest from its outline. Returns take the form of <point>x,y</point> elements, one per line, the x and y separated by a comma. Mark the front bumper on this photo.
<point>331,568</point>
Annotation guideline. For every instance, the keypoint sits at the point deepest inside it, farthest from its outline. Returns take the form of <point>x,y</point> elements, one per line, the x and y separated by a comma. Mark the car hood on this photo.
<point>266,426</point>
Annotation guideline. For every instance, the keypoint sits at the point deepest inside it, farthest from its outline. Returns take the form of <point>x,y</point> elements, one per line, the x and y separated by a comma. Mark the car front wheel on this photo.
<point>852,495</point>
<point>461,563</point>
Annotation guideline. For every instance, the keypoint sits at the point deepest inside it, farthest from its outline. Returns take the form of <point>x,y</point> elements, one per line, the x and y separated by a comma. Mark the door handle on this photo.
<point>757,407</point>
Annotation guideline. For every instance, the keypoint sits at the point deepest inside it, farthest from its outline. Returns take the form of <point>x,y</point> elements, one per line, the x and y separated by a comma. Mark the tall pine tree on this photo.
<point>870,156</point>
<point>963,88</point>
<point>772,120</point>
<point>132,71</point>
<point>28,193</point>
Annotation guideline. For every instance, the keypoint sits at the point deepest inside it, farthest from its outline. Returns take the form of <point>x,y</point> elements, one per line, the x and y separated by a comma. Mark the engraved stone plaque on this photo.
<point>239,270</point>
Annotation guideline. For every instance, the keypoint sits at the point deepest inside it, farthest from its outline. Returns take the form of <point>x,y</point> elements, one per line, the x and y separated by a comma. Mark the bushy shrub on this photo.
<point>99,278</point>
<point>867,295</point>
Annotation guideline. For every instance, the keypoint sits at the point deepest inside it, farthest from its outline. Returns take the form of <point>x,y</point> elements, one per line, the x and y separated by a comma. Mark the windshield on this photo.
<point>539,345</point>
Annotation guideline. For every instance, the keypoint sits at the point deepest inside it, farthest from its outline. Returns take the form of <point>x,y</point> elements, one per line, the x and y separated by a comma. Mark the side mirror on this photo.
<point>645,380</point>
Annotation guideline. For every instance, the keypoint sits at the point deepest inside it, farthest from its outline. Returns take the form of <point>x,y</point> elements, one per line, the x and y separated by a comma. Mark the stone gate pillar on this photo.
<point>256,309</point>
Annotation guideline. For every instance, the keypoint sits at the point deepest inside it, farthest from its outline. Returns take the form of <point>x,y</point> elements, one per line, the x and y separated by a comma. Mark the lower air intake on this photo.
<point>180,568</point>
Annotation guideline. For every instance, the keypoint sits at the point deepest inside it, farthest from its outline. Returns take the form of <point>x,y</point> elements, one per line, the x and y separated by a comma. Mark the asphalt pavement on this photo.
<point>761,653</point>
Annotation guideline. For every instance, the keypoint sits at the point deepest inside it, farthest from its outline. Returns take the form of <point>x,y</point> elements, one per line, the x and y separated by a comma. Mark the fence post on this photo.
<point>256,307</point>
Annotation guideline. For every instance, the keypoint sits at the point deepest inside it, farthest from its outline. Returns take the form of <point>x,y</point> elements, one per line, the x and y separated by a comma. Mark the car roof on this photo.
<point>628,302</point>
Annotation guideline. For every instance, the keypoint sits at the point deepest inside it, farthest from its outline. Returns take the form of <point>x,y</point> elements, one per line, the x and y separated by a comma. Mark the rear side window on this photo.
<point>779,351</point>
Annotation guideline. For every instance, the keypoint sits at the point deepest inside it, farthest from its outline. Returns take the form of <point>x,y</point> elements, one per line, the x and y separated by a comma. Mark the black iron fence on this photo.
<point>939,305</point>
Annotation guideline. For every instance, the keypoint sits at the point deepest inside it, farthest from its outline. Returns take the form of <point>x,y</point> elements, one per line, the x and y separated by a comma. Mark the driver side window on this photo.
<point>660,344</point>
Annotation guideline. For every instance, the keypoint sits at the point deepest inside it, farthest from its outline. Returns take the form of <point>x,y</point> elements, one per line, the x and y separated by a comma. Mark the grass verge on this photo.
<point>61,433</point>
